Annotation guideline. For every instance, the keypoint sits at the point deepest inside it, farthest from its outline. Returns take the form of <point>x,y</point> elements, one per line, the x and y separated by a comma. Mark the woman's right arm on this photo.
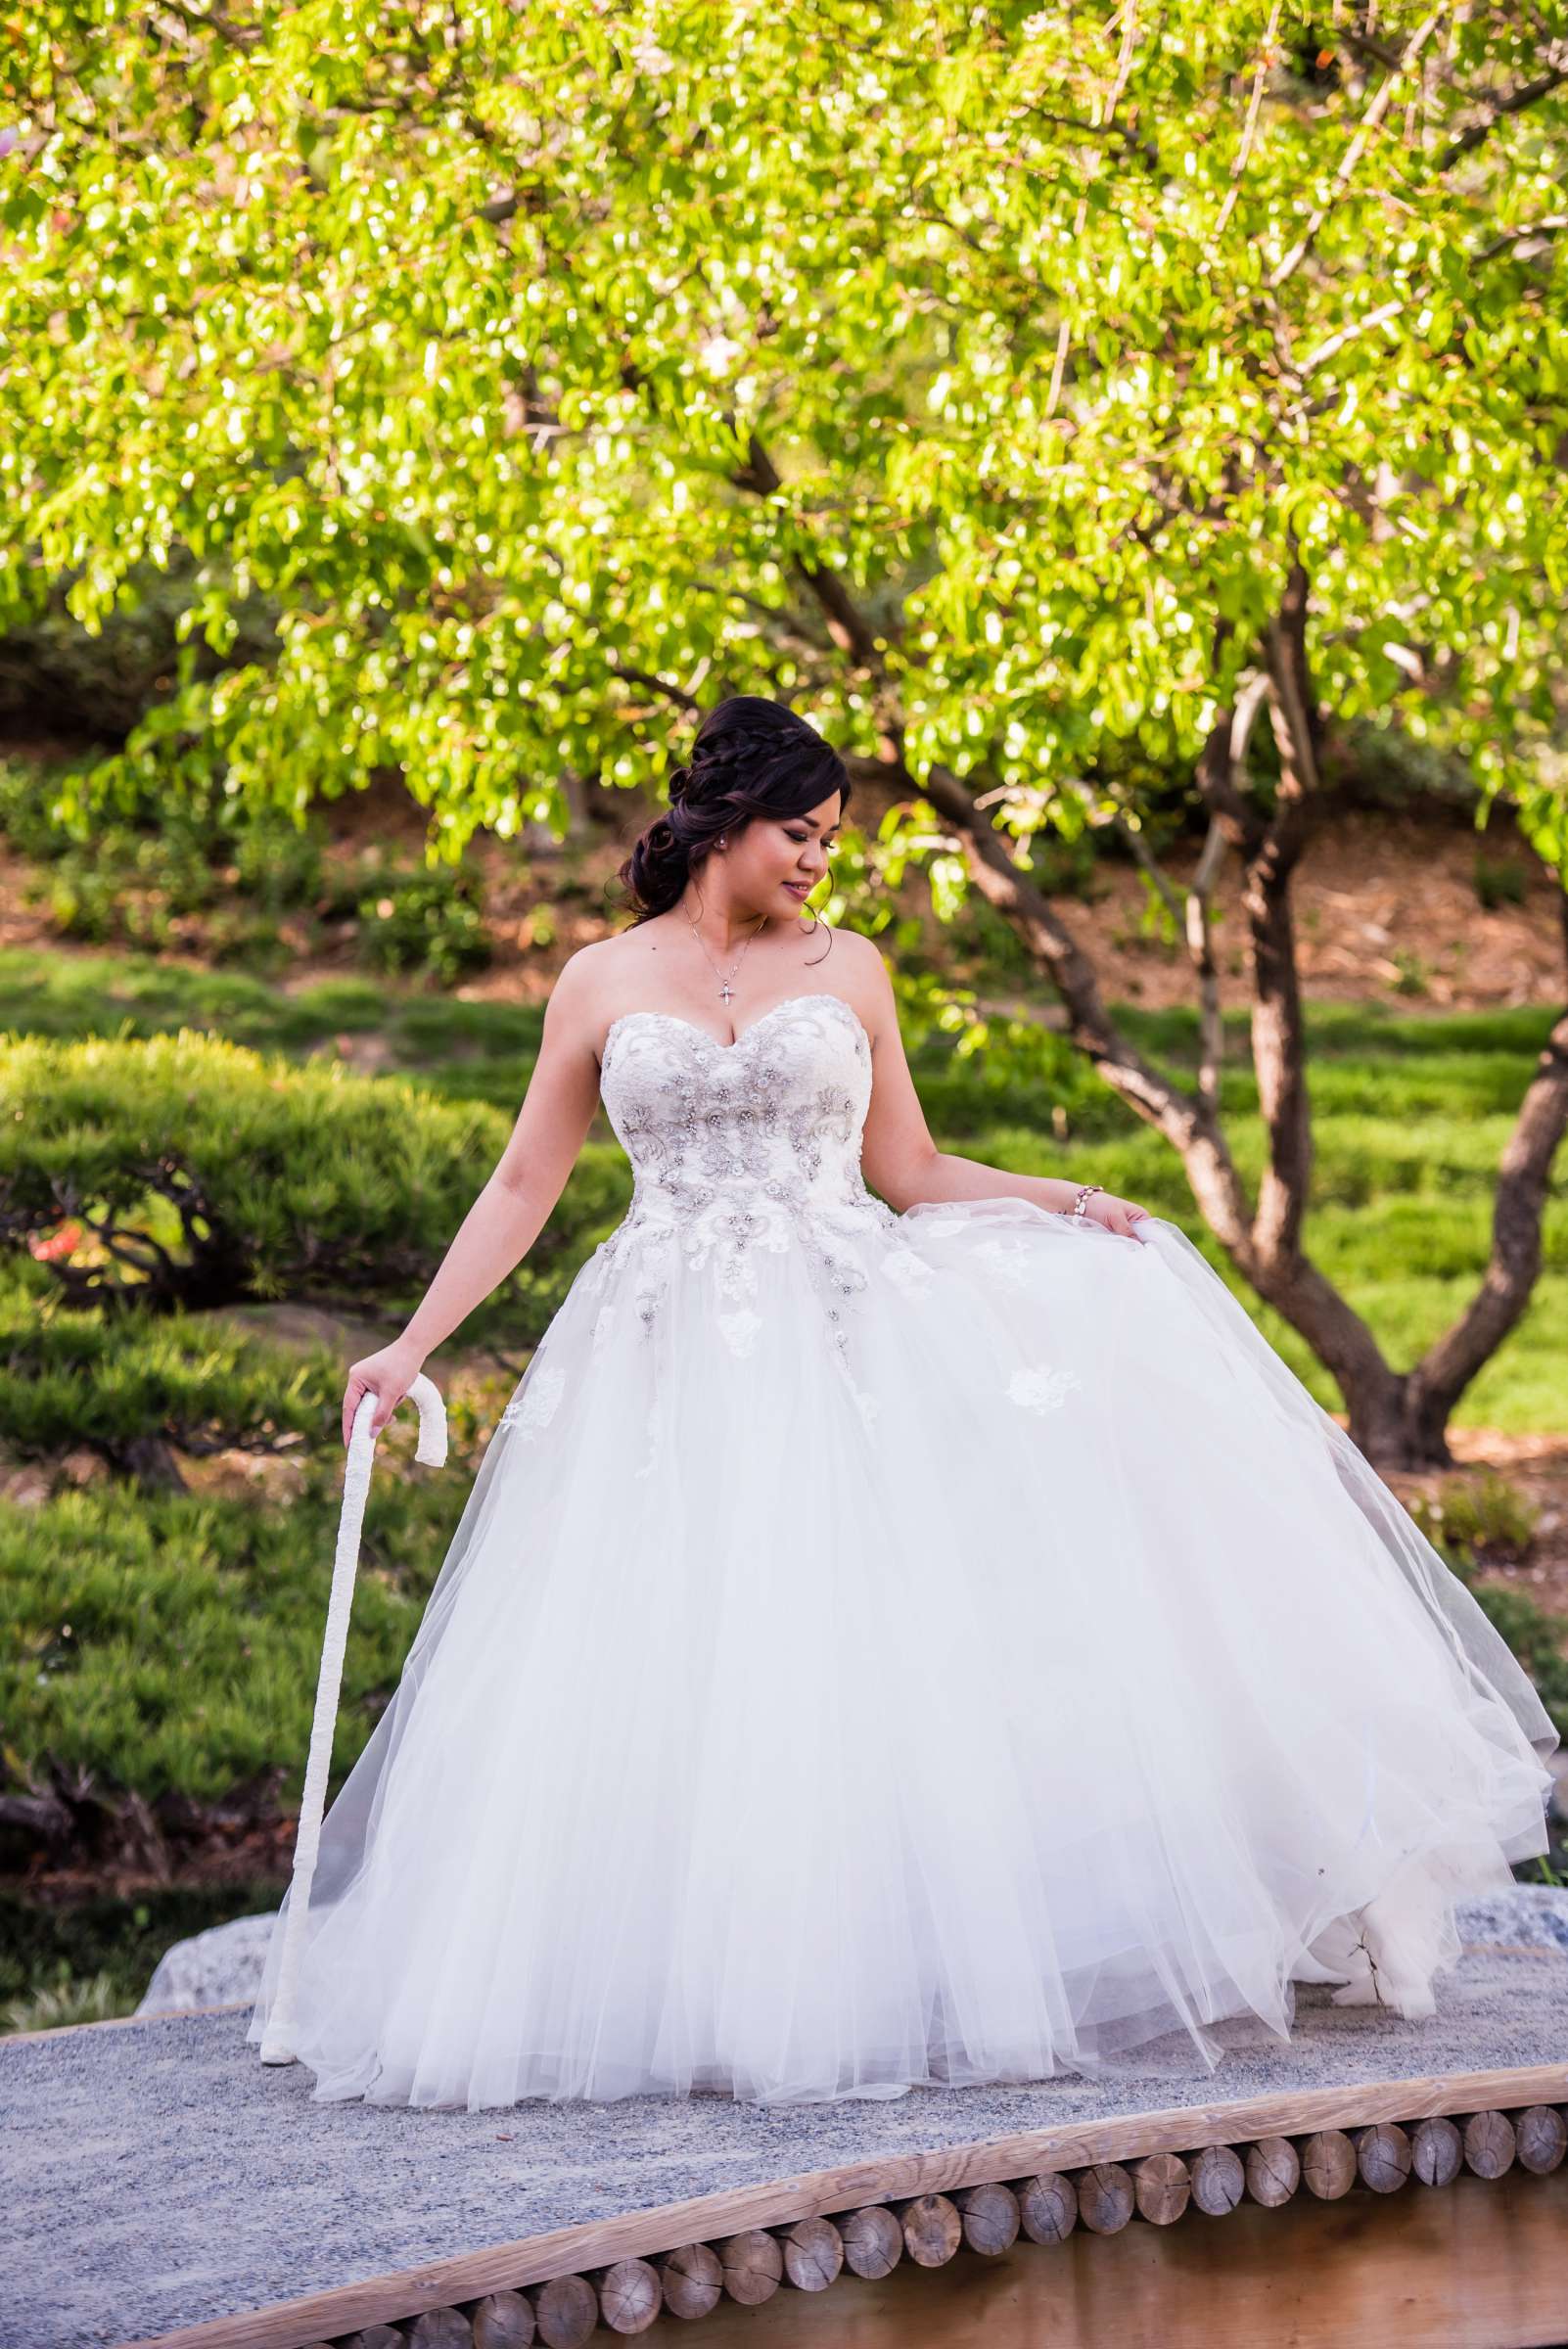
<point>516,1203</point>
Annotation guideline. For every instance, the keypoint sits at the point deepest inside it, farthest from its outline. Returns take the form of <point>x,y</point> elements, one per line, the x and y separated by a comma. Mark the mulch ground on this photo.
<point>1386,908</point>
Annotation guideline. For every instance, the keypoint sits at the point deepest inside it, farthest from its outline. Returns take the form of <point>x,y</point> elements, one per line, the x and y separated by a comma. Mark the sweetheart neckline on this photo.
<point>814,995</point>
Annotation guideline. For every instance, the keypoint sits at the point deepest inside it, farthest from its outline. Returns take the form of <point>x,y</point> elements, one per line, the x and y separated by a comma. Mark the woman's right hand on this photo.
<point>387,1375</point>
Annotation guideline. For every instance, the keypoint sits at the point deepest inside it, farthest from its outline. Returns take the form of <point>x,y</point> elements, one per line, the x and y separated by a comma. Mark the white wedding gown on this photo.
<point>880,1650</point>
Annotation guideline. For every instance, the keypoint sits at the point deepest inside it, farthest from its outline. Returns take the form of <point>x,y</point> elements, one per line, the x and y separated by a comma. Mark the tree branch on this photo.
<point>1515,101</point>
<point>1103,120</point>
<point>847,624</point>
<point>652,684</point>
<point>1219,767</point>
<point>1279,1035</point>
<point>1355,150</point>
<point>1238,169</point>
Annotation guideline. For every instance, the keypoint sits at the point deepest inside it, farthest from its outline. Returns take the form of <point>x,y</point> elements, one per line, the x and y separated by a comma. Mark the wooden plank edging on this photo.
<point>599,2243</point>
<point>122,2023</point>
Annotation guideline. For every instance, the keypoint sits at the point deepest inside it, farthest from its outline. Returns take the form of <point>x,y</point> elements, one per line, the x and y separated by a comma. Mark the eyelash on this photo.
<point>830,842</point>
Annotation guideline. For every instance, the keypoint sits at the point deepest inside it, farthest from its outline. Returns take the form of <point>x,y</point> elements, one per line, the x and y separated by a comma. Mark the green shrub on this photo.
<point>34,807</point>
<point>137,1389</point>
<point>1535,1635</point>
<point>1487,1513</point>
<point>975,1068</point>
<point>101,1951</point>
<point>1499,881</point>
<point>187,1171</point>
<point>223,873</point>
<point>66,1998</point>
<point>174,1647</point>
<point>135,878</point>
<point>422,921</point>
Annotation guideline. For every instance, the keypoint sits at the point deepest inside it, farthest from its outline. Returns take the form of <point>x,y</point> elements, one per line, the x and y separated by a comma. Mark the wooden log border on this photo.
<point>627,2273</point>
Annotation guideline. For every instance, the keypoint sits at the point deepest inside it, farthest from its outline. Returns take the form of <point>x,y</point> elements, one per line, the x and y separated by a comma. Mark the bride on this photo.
<point>915,1634</point>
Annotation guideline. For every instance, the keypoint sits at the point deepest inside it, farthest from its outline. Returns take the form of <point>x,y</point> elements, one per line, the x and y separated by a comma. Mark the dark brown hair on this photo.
<point>751,758</point>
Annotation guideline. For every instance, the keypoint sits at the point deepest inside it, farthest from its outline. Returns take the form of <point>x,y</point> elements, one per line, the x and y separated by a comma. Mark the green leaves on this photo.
<point>462,353</point>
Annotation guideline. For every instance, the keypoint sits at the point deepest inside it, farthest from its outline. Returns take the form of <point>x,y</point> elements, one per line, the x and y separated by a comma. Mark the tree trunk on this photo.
<point>1397,1421</point>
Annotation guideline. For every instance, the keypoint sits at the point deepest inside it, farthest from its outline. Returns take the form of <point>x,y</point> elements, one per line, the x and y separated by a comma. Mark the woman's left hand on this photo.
<point>1117,1215</point>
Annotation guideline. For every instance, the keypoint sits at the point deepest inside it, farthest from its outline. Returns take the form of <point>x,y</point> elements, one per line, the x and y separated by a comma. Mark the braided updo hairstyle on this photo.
<point>752,757</point>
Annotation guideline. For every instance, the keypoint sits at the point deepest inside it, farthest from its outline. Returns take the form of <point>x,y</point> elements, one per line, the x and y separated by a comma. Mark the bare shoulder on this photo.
<point>591,985</point>
<point>854,955</point>
<point>856,968</point>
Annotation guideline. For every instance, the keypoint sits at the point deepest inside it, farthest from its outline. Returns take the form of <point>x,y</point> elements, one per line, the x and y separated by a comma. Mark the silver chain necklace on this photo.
<point>723,978</point>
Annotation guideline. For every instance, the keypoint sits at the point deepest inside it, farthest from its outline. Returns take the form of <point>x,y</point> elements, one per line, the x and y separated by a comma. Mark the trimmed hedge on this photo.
<point>172,1649</point>
<point>135,1387</point>
<point>182,1171</point>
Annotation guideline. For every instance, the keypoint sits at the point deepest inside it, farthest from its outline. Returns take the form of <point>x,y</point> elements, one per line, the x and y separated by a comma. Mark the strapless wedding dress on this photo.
<point>879,1649</point>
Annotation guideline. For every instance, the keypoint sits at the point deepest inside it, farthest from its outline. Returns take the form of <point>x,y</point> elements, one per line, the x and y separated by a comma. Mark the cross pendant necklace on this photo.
<point>724,988</point>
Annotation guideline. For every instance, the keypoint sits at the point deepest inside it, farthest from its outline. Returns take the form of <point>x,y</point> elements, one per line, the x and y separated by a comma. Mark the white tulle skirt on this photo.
<point>1055,1679</point>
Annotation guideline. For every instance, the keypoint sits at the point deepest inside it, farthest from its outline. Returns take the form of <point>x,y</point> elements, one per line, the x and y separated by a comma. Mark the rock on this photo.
<point>26,1488</point>
<point>83,1467</point>
<point>215,1968</point>
<point>1533,1915</point>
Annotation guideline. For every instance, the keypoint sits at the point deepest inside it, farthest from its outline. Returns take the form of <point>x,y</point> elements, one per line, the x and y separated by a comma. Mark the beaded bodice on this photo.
<point>745,1146</point>
<point>768,1124</point>
<point>746,1164</point>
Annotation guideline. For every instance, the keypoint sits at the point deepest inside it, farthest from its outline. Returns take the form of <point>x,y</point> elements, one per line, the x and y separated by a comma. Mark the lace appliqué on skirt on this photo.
<point>1039,1388</point>
<point>535,1407</point>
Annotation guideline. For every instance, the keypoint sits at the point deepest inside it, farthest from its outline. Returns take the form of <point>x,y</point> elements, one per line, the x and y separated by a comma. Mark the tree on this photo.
<point>1010,390</point>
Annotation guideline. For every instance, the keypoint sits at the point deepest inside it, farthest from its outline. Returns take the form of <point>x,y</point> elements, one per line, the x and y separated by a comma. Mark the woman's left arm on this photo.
<point>901,1160</point>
